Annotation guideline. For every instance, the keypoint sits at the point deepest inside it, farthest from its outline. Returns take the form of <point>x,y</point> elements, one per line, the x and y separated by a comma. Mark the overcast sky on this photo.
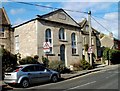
<point>106,13</point>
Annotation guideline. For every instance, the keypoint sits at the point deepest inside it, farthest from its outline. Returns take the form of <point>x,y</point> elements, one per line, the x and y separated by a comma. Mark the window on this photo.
<point>92,40</point>
<point>2,32</point>
<point>48,38</point>
<point>87,28</point>
<point>74,45</point>
<point>61,34</point>
<point>17,44</point>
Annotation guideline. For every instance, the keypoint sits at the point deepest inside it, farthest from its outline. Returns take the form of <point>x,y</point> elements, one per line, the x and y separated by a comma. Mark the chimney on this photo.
<point>111,35</point>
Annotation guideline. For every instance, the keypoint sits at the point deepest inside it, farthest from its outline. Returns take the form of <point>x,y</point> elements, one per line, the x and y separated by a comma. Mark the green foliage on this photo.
<point>106,54</point>
<point>45,61</point>
<point>85,65</point>
<point>112,55</point>
<point>86,47</point>
<point>58,66</point>
<point>82,65</point>
<point>8,59</point>
<point>28,60</point>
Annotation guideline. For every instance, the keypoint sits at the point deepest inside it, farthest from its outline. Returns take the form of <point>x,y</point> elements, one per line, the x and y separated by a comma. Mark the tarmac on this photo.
<point>66,76</point>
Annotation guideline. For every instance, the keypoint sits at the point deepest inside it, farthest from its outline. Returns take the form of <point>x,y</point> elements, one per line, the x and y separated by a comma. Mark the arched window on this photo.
<point>61,34</point>
<point>73,43</point>
<point>48,38</point>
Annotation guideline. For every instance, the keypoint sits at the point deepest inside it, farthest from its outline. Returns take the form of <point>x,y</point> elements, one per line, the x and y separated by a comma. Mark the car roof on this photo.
<point>28,65</point>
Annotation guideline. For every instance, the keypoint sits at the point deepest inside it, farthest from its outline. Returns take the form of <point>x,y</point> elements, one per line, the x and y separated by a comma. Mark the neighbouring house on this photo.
<point>59,29</point>
<point>6,32</point>
<point>94,39</point>
<point>110,42</point>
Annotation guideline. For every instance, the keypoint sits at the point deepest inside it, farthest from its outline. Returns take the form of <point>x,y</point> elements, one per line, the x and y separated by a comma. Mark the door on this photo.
<point>62,52</point>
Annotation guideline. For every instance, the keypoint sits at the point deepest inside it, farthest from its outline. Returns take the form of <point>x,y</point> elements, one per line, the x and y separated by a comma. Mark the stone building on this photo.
<point>6,32</point>
<point>59,29</point>
<point>85,41</point>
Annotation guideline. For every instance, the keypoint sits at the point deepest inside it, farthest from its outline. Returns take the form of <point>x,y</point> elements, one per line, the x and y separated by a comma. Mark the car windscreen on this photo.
<point>15,69</point>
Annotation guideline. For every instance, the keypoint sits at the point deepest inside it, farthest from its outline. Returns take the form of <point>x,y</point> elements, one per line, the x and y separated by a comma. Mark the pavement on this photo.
<point>66,76</point>
<point>80,73</point>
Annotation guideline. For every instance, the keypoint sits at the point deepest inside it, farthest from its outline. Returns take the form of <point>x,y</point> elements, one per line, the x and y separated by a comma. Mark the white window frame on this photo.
<point>48,39</point>
<point>62,34</point>
<point>17,43</point>
<point>74,43</point>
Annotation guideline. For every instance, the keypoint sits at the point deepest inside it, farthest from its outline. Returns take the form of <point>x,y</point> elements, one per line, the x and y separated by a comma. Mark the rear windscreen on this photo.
<point>9,69</point>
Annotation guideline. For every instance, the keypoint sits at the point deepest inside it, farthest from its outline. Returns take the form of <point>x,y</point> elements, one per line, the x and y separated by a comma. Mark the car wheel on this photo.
<point>54,78</point>
<point>24,83</point>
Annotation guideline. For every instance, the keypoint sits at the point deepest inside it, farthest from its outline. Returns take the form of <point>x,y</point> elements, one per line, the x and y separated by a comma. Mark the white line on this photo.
<point>80,86</point>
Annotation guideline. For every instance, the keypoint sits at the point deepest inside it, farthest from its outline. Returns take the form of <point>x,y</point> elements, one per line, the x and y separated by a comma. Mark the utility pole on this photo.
<point>90,42</point>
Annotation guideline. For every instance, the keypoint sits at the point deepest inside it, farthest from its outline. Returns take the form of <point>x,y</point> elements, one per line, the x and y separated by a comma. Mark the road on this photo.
<point>106,79</point>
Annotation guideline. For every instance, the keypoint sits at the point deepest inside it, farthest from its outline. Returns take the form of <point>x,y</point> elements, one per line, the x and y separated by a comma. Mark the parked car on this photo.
<point>24,75</point>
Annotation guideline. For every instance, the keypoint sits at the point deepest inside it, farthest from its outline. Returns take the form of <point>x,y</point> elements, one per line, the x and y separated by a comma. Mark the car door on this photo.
<point>44,74</point>
<point>32,74</point>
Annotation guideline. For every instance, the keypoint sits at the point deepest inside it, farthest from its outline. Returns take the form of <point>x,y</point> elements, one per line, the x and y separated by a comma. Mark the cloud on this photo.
<point>17,11</point>
<point>100,9</point>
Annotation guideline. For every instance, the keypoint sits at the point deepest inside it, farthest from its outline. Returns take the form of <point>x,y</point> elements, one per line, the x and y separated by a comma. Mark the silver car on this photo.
<point>24,75</point>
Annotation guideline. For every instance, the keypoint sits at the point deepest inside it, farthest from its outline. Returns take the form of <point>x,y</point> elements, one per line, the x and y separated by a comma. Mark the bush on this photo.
<point>82,65</point>
<point>106,54</point>
<point>114,56</point>
<point>85,65</point>
<point>28,60</point>
<point>45,61</point>
<point>8,60</point>
<point>58,66</point>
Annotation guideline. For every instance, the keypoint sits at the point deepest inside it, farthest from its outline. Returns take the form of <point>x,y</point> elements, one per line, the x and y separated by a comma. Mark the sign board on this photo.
<point>46,46</point>
<point>90,50</point>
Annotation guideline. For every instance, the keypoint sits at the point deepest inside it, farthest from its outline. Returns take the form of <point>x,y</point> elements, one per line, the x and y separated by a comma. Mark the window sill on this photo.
<point>75,54</point>
<point>3,38</point>
<point>50,54</point>
<point>62,40</point>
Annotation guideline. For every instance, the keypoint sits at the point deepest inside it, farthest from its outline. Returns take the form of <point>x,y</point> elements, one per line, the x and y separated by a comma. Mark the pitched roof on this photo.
<point>3,17</point>
<point>43,17</point>
<point>84,23</point>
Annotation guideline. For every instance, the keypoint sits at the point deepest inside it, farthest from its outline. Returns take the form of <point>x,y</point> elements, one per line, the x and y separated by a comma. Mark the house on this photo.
<point>110,42</point>
<point>94,39</point>
<point>59,29</point>
<point>6,32</point>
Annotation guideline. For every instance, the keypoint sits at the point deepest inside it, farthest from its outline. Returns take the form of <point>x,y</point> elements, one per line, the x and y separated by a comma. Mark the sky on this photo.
<point>106,13</point>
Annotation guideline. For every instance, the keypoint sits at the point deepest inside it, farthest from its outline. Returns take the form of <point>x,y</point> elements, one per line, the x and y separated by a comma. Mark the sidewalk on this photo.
<point>80,73</point>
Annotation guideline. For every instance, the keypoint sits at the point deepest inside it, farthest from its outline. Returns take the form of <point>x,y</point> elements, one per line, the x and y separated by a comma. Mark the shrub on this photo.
<point>85,65</point>
<point>114,56</point>
<point>28,60</point>
<point>8,60</point>
<point>77,66</point>
<point>106,54</point>
<point>45,61</point>
<point>58,66</point>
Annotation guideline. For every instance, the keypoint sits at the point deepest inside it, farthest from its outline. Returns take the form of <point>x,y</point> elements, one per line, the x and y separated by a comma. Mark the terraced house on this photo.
<point>56,27</point>
<point>6,32</point>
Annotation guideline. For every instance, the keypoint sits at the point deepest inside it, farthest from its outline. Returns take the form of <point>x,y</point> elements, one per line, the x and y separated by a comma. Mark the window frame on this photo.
<point>49,38</point>
<point>62,34</point>
<point>74,43</point>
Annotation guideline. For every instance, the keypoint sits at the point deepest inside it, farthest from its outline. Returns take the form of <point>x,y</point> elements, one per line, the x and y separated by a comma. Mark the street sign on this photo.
<point>90,50</point>
<point>46,47</point>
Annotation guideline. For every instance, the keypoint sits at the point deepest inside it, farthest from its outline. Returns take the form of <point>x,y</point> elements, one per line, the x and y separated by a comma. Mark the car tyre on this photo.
<point>54,78</point>
<point>24,83</point>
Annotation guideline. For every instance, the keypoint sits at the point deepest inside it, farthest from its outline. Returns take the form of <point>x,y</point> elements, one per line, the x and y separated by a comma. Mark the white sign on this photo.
<point>90,50</point>
<point>46,46</point>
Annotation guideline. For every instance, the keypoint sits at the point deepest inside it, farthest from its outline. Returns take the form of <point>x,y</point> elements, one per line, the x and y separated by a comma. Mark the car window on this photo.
<point>29,69</point>
<point>13,69</point>
<point>40,68</point>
